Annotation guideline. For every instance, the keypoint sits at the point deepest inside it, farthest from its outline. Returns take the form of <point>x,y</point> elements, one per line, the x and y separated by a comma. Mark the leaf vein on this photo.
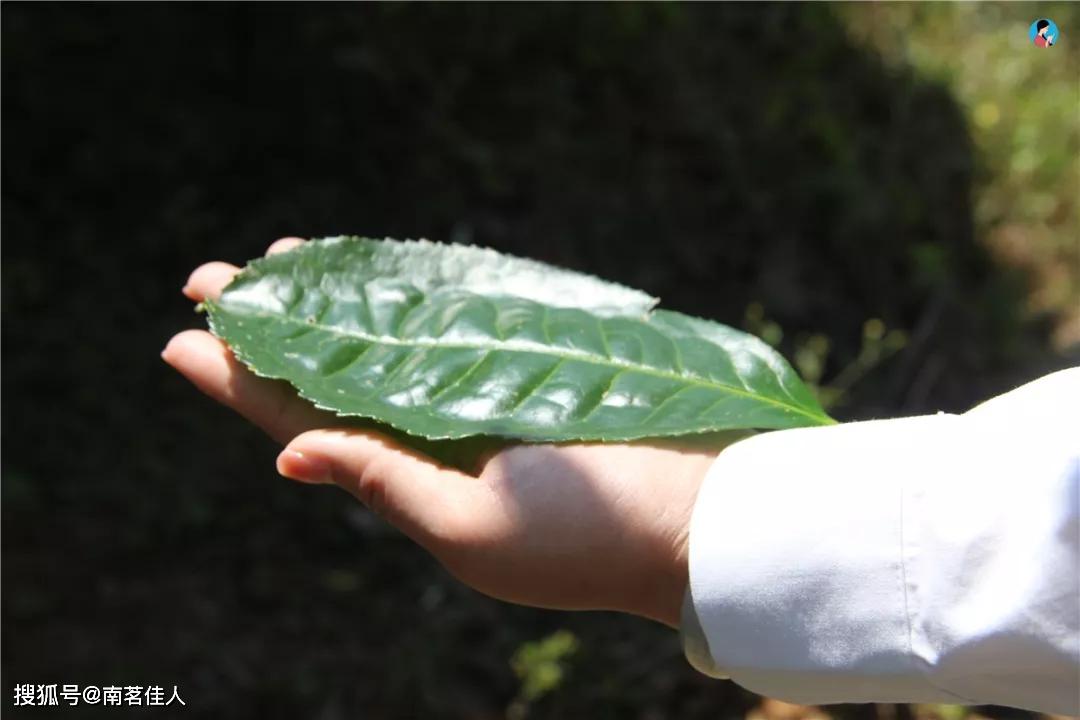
<point>568,353</point>
<point>665,401</point>
<point>600,400</point>
<point>461,378</point>
<point>529,392</point>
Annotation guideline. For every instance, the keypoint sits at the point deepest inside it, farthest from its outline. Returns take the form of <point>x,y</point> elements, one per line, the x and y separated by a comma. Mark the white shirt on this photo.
<point>927,559</point>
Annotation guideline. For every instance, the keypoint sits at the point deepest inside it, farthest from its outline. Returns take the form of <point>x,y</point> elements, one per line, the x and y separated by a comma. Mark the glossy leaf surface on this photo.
<point>444,341</point>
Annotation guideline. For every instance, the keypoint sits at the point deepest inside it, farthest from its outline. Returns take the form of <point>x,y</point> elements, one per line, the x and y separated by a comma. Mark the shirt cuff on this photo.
<point>694,643</point>
<point>797,580</point>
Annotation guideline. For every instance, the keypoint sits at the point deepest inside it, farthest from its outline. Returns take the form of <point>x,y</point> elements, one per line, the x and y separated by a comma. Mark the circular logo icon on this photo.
<point>1043,33</point>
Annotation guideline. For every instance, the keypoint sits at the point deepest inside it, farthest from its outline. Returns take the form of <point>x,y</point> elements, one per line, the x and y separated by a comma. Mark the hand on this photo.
<point>570,526</point>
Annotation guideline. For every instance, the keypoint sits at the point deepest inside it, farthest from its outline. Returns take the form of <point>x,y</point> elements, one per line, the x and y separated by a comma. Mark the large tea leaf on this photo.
<point>445,341</point>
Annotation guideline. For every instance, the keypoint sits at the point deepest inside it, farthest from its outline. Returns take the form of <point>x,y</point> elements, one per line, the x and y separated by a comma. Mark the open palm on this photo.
<point>571,526</point>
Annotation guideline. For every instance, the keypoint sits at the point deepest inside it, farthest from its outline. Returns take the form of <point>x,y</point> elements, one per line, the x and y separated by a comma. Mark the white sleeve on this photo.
<point>927,559</point>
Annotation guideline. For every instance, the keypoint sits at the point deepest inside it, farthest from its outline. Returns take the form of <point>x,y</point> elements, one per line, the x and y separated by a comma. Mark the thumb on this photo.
<point>423,499</point>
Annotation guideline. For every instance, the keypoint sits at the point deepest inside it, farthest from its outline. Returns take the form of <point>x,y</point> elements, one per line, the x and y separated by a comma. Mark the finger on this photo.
<point>207,281</point>
<point>284,245</point>
<point>272,405</point>
<point>427,501</point>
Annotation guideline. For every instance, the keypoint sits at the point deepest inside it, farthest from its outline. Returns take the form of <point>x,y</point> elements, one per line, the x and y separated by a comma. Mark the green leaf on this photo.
<point>542,664</point>
<point>446,341</point>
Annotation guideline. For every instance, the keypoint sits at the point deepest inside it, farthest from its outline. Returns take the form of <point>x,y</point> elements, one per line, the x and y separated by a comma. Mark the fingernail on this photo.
<point>303,468</point>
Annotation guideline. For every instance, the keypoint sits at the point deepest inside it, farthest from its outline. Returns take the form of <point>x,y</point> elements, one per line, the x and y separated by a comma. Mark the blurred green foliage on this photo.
<point>540,664</point>
<point>1022,106</point>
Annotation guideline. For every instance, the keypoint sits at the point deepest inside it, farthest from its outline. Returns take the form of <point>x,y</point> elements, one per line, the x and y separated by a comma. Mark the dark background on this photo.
<point>753,164</point>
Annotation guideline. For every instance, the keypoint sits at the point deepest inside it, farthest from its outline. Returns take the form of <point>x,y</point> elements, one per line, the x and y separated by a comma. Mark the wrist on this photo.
<point>663,588</point>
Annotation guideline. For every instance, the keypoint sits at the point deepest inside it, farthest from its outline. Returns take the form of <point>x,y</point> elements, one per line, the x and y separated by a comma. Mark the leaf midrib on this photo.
<point>537,348</point>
